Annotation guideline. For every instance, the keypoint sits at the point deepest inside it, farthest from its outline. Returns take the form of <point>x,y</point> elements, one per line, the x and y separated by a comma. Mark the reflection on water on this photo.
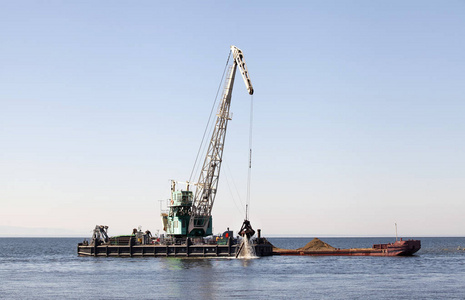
<point>247,262</point>
<point>174,263</point>
<point>178,277</point>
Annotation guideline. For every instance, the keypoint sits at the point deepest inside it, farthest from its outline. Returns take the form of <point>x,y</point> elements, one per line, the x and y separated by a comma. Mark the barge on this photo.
<point>319,248</point>
<point>141,244</point>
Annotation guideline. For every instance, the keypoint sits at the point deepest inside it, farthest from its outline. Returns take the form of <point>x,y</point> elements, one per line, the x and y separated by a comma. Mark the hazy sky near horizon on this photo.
<point>358,113</point>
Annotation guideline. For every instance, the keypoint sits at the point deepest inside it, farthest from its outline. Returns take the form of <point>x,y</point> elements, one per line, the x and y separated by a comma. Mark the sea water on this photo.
<point>49,268</point>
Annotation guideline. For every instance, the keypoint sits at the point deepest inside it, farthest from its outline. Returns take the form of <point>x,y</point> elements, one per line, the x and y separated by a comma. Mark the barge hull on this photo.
<point>168,250</point>
<point>342,252</point>
<point>398,248</point>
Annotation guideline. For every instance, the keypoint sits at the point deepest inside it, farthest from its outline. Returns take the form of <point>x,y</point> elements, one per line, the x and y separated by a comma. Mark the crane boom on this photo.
<point>239,59</point>
<point>200,212</point>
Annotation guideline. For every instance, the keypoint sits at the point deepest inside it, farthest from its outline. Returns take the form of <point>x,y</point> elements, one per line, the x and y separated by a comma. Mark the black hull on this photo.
<point>168,250</point>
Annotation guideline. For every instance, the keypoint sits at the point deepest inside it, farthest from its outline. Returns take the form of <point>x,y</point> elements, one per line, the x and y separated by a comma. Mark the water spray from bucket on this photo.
<point>246,248</point>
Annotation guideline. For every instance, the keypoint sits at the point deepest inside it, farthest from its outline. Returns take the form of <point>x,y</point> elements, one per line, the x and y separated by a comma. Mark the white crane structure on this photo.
<point>200,212</point>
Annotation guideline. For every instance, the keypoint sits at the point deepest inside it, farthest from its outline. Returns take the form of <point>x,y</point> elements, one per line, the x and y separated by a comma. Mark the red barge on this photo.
<point>319,248</point>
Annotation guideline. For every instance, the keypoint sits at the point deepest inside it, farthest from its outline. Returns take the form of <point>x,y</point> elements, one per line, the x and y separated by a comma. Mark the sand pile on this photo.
<point>316,244</point>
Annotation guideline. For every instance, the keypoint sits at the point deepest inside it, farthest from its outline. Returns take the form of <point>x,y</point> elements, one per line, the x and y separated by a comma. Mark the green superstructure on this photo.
<point>176,221</point>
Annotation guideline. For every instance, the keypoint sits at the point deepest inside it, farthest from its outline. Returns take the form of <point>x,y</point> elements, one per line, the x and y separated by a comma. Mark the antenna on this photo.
<point>396,231</point>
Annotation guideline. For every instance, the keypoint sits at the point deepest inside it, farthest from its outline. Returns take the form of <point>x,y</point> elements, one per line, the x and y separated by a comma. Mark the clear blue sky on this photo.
<point>358,114</point>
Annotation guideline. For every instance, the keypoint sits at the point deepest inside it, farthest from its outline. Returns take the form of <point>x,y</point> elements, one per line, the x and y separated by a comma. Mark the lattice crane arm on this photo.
<point>200,221</point>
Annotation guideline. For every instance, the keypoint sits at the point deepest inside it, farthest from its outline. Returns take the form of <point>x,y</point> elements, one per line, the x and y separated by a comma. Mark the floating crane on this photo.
<point>189,214</point>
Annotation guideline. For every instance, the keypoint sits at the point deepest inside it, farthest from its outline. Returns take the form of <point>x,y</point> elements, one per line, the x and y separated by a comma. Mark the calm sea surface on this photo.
<point>49,268</point>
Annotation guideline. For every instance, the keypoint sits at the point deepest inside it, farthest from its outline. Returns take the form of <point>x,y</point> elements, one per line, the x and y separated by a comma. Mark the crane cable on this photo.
<point>250,159</point>
<point>209,118</point>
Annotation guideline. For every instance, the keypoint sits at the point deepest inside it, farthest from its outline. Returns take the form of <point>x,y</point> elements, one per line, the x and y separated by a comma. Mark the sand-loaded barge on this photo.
<point>316,247</point>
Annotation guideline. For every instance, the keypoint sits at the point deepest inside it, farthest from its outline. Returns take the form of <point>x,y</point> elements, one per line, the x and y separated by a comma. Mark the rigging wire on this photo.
<point>204,148</point>
<point>239,206</point>
<point>210,117</point>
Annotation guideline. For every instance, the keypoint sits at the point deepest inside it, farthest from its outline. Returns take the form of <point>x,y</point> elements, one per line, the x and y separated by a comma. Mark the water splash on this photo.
<point>247,250</point>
